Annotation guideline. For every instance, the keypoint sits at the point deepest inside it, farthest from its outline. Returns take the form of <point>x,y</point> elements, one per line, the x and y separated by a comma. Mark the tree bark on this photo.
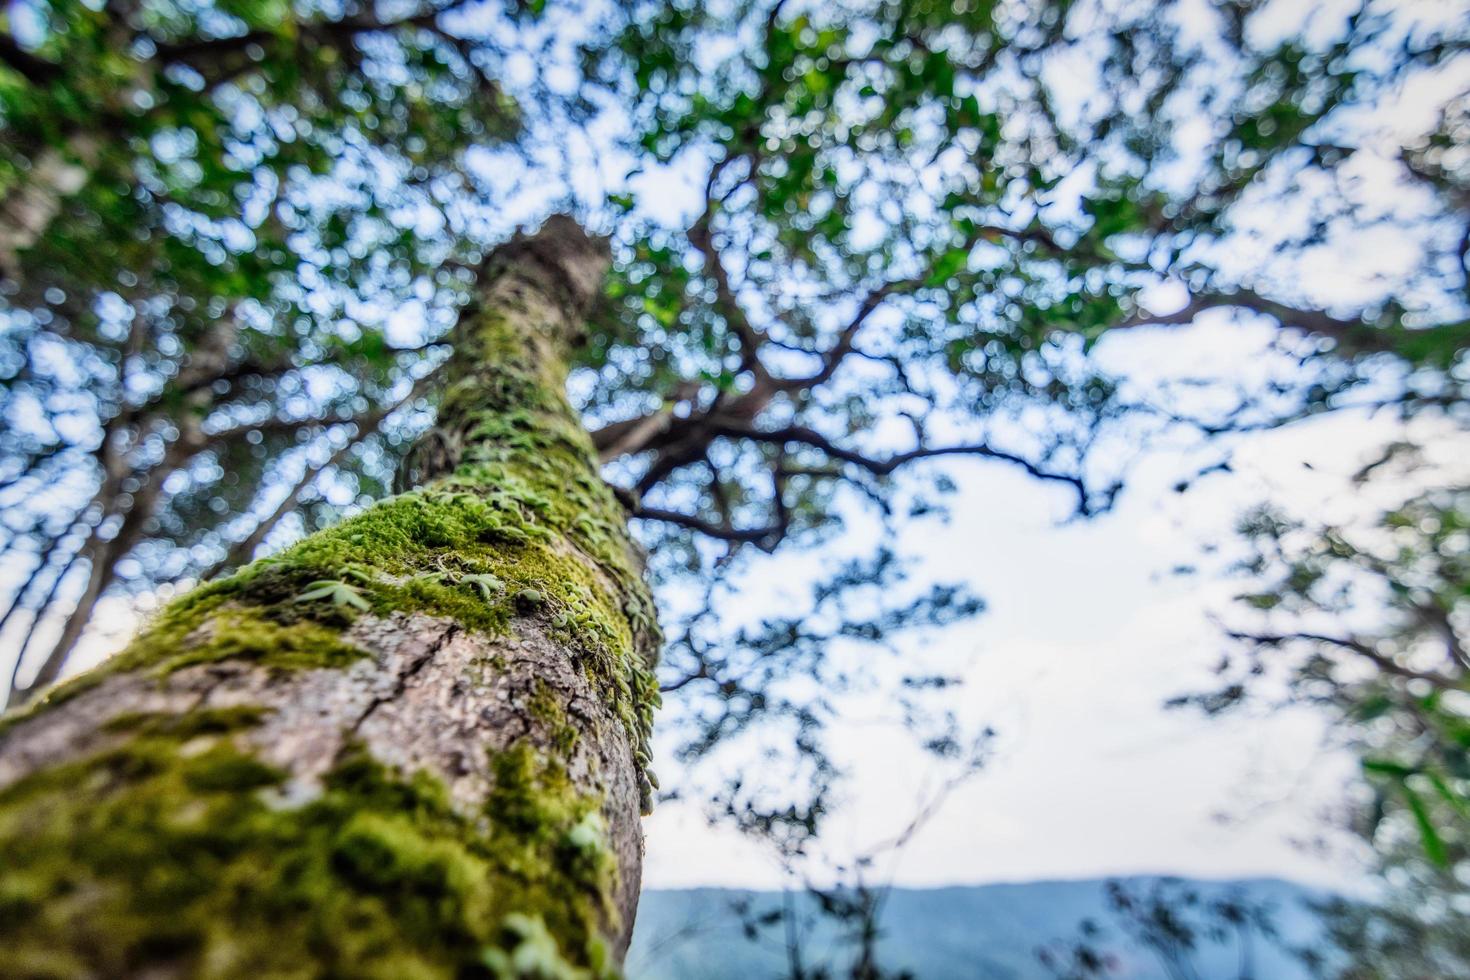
<point>413,744</point>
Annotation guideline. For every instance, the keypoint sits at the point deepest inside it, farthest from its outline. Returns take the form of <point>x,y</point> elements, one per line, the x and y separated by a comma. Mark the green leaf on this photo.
<point>947,265</point>
<point>1448,795</point>
<point>487,585</point>
<point>1434,847</point>
<point>340,594</point>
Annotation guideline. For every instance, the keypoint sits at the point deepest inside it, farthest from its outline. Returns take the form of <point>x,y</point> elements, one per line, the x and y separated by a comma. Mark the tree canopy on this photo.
<point>913,229</point>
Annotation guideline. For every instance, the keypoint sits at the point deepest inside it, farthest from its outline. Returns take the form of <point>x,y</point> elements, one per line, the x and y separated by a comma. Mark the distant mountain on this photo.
<point>986,931</point>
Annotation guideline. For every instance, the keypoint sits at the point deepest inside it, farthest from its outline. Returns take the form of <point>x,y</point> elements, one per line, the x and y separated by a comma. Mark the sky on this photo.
<point>1088,631</point>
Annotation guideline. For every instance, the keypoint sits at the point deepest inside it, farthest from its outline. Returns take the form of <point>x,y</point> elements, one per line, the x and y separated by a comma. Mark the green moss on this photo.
<point>534,812</point>
<point>168,853</point>
<point>208,625</point>
<point>201,721</point>
<point>546,708</point>
<point>529,950</point>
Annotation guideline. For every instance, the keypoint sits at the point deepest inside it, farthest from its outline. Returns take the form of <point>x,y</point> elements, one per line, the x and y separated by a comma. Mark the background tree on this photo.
<point>916,223</point>
<point>208,213</point>
<point>1170,920</point>
<point>1369,624</point>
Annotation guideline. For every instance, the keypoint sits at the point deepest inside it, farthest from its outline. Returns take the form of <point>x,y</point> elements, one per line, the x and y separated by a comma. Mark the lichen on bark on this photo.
<point>409,745</point>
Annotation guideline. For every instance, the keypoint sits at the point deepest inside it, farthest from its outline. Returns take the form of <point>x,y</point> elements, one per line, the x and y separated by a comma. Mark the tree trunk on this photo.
<point>411,745</point>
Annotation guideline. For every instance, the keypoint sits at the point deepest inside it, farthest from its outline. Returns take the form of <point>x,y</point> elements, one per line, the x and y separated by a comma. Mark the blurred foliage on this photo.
<point>1372,626</point>
<point>857,240</point>
<point>956,202</point>
<point>1173,921</point>
<point>777,685</point>
<point>1401,683</point>
<point>209,213</point>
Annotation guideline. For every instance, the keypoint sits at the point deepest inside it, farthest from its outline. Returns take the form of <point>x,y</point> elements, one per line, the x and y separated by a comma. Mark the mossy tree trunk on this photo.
<point>411,745</point>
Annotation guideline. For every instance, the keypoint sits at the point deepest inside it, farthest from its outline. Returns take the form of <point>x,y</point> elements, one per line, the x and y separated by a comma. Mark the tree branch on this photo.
<point>242,550</point>
<point>1383,662</point>
<point>1352,336</point>
<point>765,538</point>
<point>846,340</point>
<point>833,357</point>
<point>332,31</point>
<point>747,535</point>
<point>886,466</point>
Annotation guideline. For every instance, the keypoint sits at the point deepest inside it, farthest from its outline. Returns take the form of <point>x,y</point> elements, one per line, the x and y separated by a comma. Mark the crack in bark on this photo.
<point>216,681</point>
<point>400,686</point>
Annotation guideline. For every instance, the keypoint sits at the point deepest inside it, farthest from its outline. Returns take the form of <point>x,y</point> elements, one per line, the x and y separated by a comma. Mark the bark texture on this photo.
<point>411,745</point>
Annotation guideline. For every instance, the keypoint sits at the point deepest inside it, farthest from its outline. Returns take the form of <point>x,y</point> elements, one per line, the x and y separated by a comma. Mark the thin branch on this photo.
<point>633,435</point>
<point>846,340</point>
<point>242,550</point>
<point>13,692</point>
<point>749,337</point>
<point>1350,335</point>
<point>336,31</point>
<point>833,357</point>
<point>1383,662</point>
<point>886,466</point>
<point>34,463</point>
<point>44,555</point>
<point>746,535</point>
<point>766,538</point>
<point>697,675</point>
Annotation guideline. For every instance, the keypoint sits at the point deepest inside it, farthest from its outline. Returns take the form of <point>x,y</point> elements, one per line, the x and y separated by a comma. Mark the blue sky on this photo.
<point>1088,631</point>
